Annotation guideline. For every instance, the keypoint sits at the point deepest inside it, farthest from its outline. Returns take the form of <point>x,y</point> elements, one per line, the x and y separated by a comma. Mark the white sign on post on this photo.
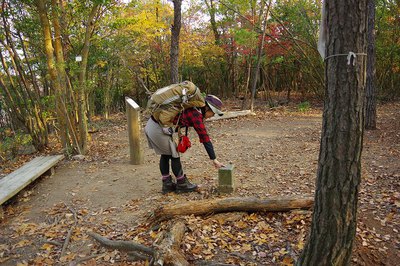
<point>132,103</point>
<point>134,132</point>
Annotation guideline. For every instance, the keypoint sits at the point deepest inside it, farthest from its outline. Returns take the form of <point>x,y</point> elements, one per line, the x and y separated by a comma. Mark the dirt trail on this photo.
<point>274,154</point>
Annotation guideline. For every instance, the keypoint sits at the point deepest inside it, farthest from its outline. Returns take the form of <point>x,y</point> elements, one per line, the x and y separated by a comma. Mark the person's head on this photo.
<point>213,106</point>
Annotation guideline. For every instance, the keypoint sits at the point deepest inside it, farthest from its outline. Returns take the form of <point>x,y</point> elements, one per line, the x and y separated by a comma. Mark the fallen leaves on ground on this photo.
<point>270,158</point>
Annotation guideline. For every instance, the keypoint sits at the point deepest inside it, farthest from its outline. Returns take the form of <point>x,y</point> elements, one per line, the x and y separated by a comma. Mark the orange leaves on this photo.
<point>287,261</point>
<point>256,237</point>
<point>26,228</point>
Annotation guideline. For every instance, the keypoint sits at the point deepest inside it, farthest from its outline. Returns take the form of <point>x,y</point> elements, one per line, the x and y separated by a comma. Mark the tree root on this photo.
<point>122,245</point>
<point>166,250</point>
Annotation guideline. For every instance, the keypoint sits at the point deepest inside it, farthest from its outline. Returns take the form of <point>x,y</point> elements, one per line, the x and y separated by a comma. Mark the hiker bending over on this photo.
<point>161,140</point>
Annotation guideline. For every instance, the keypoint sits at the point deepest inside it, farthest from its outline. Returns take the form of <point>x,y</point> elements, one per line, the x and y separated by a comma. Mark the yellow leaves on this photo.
<point>146,22</point>
<point>246,247</point>
<point>228,234</point>
<point>3,248</point>
<point>300,245</point>
<point>263,236</point>
<point>101,63</point>
<point>263,226</point>
<point>153,234</point>
<point>26,228</point>
<point>83,212</point>
<point>47,247</point>
<point>253,217</point>
<point>223,244</point>
<point>77,234</point>
<point>241,225</point>
<point>210,245</point>
<point>51,234</point>
<point>23,243</point>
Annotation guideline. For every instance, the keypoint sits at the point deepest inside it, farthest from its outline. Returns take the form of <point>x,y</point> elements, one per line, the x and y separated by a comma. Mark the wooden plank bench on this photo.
<point>13,183</point>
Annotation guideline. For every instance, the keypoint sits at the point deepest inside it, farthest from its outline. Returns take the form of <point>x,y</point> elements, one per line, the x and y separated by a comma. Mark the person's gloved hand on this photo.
<point>217,164</point>
<point>168,130</point>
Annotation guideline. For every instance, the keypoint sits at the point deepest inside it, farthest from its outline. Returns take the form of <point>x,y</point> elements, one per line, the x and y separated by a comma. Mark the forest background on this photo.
<point>64,62</point>
<point>66,65</point>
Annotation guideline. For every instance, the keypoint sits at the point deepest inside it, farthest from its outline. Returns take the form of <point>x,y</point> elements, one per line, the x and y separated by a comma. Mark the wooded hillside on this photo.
<point>63,62</point>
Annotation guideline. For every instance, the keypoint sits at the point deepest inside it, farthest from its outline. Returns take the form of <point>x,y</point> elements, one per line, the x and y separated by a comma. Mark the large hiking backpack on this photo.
<point>167,102</point>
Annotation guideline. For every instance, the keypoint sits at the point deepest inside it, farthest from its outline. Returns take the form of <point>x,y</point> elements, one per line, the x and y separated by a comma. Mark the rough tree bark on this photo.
<point>211,11</point>
<point>82,113</point>
<point>256,68</point>
<point>51,64</point>
<point>202,207</point>
<point>175,31</point>
<point>169,246</point>
<point>370,106</point>
<point>59,57</point>
<point>52,68</point>
<point>334,218</point>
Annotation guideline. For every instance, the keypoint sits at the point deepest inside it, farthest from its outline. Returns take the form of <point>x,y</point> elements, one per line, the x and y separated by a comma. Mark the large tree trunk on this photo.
<point>82,112</point>
<point>370,115</point>
<point>211,11</point>
<point>54,74</point>
<point>175,31</point>
<point>256,67</point>
<point>62,74</point>
<point>334,218</point>
<point>51,64</point>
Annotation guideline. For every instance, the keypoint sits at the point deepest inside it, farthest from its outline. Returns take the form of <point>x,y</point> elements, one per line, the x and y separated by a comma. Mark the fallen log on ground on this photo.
<point>166,250</point>
<point>209,206</point>
<point>169,246</point>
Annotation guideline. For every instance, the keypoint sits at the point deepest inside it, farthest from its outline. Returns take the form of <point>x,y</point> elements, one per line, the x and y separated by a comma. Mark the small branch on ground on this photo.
<point>135,256</point>
<point>66,242</point>
<point>78,261</point>
<point>52,242</point>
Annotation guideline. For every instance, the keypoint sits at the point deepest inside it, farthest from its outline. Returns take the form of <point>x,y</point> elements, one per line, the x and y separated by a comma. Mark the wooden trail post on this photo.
<point>132,112</point>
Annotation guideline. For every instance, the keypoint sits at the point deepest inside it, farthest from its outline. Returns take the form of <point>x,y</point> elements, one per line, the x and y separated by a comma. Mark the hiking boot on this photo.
<point>183,185</point>
<point>168,185</point>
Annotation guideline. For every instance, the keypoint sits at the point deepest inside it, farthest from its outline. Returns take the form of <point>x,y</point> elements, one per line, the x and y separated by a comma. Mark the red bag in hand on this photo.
<point>184,144</point>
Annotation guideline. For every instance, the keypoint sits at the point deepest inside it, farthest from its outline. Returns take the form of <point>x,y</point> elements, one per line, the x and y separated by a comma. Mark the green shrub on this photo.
<point>11,144</point>
<point>304,106</point>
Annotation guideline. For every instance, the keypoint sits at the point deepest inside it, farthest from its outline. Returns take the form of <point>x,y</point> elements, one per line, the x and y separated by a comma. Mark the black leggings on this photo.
<point>175,165</point>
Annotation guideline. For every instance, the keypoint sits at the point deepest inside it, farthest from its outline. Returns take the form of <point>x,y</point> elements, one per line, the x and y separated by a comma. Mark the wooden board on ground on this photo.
<point>231,114</point>
<point>11,184</point>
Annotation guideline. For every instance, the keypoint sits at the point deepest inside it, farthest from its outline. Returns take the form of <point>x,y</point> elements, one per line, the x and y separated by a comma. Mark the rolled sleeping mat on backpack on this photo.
<point>167,102</point>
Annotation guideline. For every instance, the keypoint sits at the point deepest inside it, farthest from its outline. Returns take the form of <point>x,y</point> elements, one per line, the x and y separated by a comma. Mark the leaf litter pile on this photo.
<point>267,164</point>
<point>234,238</point>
